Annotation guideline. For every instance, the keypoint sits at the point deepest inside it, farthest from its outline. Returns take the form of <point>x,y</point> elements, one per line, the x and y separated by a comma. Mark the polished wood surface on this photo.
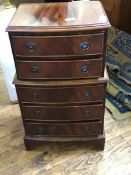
<point>113,10</point>
<point>71,37</point>
<point>72,69</point>
<point>61,158</point>
<point>63,129</point>
<point>83,94</point>
<point>61,83</point>
<point>59,113</point>
<point>119,13</point>
<point>95,141</point>
<point>65,16</point>
<point>66,45</point>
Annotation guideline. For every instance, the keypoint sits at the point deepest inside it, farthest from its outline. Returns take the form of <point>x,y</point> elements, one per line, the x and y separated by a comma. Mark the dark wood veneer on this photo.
<point>62,113</point>
<point>61,95</point>
<point>71,69</point>
<point>58,17</point>
<point>57,45</point>
<point>59,53</point>
<point>96,142</point>
<point>63,129</point>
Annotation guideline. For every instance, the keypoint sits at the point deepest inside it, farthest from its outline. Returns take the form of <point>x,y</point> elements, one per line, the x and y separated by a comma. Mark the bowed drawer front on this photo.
<point>59,63</point>
<point>62,113</point>
<point>67,94</point>
<point>72,69</point>
<point>63,129</point>
<point>66,45</point>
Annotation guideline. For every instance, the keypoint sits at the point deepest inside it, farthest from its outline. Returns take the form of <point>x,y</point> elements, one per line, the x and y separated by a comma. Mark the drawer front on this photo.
<point>63,129</point>
<point>59,69</point>
<point>58,45</point>
<point>62,113</point>
<point>61,95</point>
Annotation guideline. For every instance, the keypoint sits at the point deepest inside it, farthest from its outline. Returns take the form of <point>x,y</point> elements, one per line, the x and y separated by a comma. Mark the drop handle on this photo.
<point>34,69</point>
<point>84,69</point>
<point>87,113</point>
<point>41,130</point>
<point>37,113</point>
<point>87,130</point>
<point>84,45</point>
<point>35,95</point>
<point>31,46</point>
<point>87,94</point>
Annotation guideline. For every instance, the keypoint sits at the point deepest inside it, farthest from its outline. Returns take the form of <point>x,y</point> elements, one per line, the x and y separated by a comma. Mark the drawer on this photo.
<point>63,129</point>
<point>59,69</point>
<point>95,93</point>
<point>62,113</point>
<point>58,45</point>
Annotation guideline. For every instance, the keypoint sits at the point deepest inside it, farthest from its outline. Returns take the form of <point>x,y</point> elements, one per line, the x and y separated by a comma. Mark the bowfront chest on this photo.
<point>59,50</point>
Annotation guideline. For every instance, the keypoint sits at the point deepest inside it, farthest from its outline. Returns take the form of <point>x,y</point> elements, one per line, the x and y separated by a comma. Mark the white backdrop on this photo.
<point>6,57</point>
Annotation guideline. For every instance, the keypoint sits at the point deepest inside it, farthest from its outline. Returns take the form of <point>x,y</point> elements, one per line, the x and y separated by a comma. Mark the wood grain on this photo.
<point>75,69</point>
<point>83,94</point>
<point>63,129</point>
<point>62,113</point>
<point>66,45</point>
<point>61,16</point>
<point>112,130</point>
<point>62,158</point>
<point>127,136</point>
<point>73,158</point>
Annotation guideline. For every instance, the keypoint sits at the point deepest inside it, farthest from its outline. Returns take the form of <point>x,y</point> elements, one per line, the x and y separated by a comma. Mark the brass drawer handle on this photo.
<point>34,69</point>
<point>35,95</point>
<point>84,69</point>
<point>84,45</point>
<point>31,47</point>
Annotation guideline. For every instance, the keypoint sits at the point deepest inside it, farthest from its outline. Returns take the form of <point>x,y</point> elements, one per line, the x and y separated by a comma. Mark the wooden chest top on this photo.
<point>60,17</point>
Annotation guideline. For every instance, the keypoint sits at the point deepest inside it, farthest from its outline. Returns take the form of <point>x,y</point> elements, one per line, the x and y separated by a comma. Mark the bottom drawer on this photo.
<point>63,129</point>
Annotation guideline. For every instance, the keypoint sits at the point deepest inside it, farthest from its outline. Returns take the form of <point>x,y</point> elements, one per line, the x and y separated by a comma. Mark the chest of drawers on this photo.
<point>59,52</point>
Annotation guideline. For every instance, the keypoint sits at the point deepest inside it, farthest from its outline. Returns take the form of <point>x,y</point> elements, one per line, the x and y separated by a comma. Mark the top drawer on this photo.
<point>58,45</point>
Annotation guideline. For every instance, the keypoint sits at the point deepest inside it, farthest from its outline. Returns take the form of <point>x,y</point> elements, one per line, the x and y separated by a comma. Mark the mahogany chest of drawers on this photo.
<point>58,50</point>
